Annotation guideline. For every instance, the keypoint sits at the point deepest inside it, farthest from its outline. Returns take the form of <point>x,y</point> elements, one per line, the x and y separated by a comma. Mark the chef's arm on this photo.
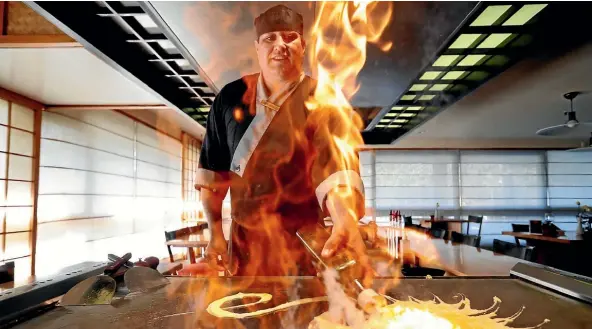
<point>343,206</point>
<point>212,204</point>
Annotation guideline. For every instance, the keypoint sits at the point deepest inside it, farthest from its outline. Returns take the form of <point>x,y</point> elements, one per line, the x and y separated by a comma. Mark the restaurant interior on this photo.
<point>476,163</point>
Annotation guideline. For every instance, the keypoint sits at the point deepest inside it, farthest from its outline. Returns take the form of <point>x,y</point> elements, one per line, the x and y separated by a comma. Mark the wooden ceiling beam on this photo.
<point>38,41</point>
<point>11,96</point>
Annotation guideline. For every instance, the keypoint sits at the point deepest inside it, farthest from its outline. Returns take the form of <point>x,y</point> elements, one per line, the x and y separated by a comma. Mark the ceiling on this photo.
<point>60,76</point>
<point>514,105</point>
<point>220,35</point>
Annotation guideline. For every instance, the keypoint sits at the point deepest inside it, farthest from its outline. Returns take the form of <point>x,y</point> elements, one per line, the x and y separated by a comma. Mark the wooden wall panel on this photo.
<point>23,20</point>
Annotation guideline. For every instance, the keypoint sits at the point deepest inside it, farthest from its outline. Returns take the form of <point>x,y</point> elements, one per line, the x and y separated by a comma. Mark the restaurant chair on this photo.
<point>438,233</point>
<point>7,272</point>
<point>408,221</point>
<point>536,226</point>
<point>510,249</point>
<point>520,228</point>
<point>475,220</point>
<point>471,240</point>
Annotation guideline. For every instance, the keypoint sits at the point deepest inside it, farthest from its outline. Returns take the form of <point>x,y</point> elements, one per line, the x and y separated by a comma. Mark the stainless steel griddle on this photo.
<point>547,294</point>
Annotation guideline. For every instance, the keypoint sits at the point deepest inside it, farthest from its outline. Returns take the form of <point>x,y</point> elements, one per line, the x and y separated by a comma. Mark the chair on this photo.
<point>7,272</point>
<point>438,233</point>
<point>510,249</point>
<point>520,228</point>
<point>172,235</point>
<point>408,221</point>
<point>471,240</point>
<point>536,226</point>
<point>475,219</point>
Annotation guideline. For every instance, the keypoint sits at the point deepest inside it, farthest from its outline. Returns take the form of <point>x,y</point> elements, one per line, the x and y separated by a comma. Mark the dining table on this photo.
<point>459,259</point>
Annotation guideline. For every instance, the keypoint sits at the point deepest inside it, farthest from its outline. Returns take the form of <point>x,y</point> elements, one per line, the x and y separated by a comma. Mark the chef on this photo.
<point>279,161</point>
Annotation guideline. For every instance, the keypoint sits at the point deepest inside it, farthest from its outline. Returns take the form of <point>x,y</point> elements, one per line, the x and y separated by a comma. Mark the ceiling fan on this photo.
<point>571,123</point>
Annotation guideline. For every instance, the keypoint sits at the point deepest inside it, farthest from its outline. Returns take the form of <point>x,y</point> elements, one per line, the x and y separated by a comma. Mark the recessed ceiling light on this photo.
<point>406,115</point>
<point>439,87</point>
<point>418,87</point>
<point>494,40</point>
<point>490,15</point>
<point>395,126</point>
<point>524,14</point>
<point>399,120</point>
<point>426,97</point>
<point>415,108</point>
<point>464,41</point>
<point>445,60</point>
<point>385,121</point>
<point>380,126</point>
<point>397,108</point>
<point>146,21</point>
<point>470,60</point>
<point>453,75</point>
<point>408,97</point>
<point>390,115</point>
<point>430,75</point>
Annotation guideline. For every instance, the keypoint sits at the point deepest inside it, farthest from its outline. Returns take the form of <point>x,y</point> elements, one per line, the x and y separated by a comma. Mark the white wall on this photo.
<point>107,184</point>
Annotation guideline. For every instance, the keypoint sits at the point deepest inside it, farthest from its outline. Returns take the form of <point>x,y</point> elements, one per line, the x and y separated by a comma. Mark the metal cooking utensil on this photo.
<point>98,290</point>
<point>139,279</point>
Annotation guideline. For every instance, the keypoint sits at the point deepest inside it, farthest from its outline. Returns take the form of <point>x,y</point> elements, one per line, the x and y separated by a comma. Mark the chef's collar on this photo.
<point>275,101</point>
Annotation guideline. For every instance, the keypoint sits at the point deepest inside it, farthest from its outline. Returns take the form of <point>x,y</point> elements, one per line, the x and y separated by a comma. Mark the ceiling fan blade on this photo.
<point>581,149</point>
<point>586,123</point>
<point>553,130</point>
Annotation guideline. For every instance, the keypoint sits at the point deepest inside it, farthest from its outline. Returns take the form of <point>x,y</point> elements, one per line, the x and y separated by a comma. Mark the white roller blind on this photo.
<point>502,180</point>
<point>570,179</point>
<point>416,180</point>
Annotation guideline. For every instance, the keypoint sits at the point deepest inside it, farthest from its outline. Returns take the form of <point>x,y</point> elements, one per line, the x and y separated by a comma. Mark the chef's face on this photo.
<point>280,53</point>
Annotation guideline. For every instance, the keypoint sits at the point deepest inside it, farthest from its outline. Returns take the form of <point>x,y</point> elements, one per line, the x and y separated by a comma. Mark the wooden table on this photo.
<point>196,240</point>
<point>460,259</point>
<point>448,221</point>
<point>568,238</point>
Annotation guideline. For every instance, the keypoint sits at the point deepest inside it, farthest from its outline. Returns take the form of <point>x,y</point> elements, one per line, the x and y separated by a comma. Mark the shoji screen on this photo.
<point>191,149</point>
<point>108,184</point>
<point>416,180</point>
<point>503,180</point>
<point>17,126</point>
<point>367,172</point>
<point>570,179</point>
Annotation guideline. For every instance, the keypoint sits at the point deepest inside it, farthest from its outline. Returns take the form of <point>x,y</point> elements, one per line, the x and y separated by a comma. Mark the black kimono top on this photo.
<point>280,161</point>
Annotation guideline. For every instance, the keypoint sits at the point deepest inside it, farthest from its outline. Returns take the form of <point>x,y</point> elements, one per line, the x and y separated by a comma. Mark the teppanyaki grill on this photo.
<point>561,297</point>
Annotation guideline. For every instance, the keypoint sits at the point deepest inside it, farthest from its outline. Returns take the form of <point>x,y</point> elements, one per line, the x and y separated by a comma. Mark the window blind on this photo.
<point>416,180</point>
<point>570,179</point>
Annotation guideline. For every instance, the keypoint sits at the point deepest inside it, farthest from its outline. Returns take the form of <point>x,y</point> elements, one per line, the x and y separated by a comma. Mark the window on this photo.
<point>570,179</point>
<point>17,186</point>
<point>191,200</point>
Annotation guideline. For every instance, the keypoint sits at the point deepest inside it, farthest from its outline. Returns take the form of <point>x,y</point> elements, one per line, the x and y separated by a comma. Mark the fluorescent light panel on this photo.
<point>406,115</point>
<point>490,15</point>
<point>439,87</point>
<point>415,108</point>
<point>494,40</point>
<point>524,14</point>
<point>464,41</point>
<point>445,60</point>
<point>471,60</point>
<point>430,75</point>
<point>408,97</point>
<point>453,75</point>
<point>418,87</point>
<point>426,97</point>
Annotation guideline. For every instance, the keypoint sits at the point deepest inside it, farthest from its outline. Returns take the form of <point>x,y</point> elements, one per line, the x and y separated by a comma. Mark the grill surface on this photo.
<point>154,309</point>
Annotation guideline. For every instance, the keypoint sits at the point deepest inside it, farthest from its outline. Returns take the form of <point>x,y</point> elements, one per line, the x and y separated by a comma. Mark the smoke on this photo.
<point>341,307</point>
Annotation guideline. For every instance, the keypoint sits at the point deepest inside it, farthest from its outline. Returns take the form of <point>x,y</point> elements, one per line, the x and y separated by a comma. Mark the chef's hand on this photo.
<point>369,234</point>
<point>349,238</point>
<point>217,255</point>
